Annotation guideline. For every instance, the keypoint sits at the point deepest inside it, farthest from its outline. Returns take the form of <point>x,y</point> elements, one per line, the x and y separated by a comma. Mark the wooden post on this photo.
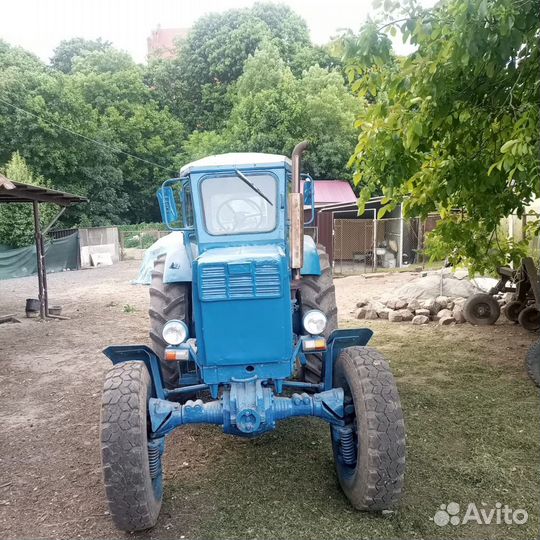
<point>40,261</point>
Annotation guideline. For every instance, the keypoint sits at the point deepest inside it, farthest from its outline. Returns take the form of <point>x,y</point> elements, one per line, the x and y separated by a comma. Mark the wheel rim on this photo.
<point>482,310</point>
<point>346,442</point>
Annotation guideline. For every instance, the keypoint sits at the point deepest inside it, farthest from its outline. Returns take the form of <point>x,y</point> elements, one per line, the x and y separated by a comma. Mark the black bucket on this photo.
<point>32,307</point>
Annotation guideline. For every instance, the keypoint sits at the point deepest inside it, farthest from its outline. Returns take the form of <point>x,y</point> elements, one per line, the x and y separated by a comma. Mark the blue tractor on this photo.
<point>244,334</point>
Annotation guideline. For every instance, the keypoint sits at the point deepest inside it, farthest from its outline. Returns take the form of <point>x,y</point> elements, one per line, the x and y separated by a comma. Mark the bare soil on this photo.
<point>50,388</point>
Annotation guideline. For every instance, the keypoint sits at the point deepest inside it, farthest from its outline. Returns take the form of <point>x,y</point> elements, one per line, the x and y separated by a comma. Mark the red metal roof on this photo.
<point>329,192</point>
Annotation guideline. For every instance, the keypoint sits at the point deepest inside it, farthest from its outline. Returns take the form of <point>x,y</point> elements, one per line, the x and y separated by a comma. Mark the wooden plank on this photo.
<point>296,236</point>
<point>8,318</point>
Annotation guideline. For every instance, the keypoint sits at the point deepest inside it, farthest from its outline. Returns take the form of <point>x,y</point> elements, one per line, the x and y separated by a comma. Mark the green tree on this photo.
<point>114,86</point>
<point>196,84</point>
<point>16,220</point>
<point>273,110</point>
<point>127,144</point>
<point>70,50</point>
<point>37,108</point>
<point>453,127</point>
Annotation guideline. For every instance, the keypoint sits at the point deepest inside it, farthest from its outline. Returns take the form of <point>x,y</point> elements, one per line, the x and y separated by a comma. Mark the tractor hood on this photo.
<point>243,312</point>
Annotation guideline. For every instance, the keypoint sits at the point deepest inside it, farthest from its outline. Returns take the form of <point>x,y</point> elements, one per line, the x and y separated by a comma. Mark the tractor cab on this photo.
<point>232,199</point>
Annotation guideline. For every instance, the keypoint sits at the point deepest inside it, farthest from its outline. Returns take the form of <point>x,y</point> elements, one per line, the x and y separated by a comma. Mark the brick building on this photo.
<point>162,41</point>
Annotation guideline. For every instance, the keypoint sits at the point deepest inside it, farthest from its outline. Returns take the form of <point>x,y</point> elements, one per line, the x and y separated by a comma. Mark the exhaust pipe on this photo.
<point>296,158</point>
<point>296,212</point>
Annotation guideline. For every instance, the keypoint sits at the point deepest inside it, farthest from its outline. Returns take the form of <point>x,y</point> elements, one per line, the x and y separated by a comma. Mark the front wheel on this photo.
<point>131,462</point>
<point>369,451</point>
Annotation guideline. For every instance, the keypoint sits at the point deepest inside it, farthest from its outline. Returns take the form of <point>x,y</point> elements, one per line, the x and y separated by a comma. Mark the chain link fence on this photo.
<point>369,245</point>
<point>134,242</point>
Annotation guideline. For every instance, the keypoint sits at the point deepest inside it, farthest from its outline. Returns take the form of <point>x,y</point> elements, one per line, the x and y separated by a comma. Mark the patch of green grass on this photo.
<point>472,422</point>
<point>128,308</point>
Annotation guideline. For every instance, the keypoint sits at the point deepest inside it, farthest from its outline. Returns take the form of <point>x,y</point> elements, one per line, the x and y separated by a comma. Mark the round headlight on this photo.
<point>175,332</point>
<point>314,322</point>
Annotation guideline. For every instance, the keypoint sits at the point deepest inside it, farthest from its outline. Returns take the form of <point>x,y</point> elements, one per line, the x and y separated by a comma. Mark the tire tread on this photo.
<point>379,486</point>
<point>126,474</point>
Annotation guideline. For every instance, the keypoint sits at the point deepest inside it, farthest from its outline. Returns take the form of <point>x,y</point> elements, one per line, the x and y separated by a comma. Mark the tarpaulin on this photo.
<point>60,254</point>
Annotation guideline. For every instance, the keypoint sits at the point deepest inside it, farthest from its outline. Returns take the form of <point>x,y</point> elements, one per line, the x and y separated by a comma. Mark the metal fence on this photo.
<point>368,245</point>
<point>138,239</point>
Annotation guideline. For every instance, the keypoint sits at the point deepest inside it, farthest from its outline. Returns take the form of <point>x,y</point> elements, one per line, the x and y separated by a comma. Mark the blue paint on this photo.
<point>247,409</point>
<point>248,284</point>
<point>139,353</point>
<point>167,204</point>
<point>312,261</point>
<point>339,340</point>
<point>242,308</point>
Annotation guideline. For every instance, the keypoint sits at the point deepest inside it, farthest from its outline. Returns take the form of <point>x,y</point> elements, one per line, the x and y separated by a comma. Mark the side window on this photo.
<point>187,205</point>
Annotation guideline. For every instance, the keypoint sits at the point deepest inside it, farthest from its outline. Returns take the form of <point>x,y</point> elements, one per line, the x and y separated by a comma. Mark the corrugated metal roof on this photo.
<point>17,192</point>
<point>333,192</point>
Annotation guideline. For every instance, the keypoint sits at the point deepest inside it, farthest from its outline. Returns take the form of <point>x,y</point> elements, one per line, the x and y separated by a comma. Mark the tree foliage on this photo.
<point>95,123</point>
<point>195,85</point>
<point>272,109</point>
<point>16,220</point>
<point>105,100</point>
<point>70,50</point>
<point>453,127</point>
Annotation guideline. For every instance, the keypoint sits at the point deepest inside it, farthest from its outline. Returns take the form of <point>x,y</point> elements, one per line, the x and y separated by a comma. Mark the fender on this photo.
<point>312,262</point>
<point>178,263</point>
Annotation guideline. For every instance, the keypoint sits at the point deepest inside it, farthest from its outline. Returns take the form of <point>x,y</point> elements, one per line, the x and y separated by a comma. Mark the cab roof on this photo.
<point>235,160</point>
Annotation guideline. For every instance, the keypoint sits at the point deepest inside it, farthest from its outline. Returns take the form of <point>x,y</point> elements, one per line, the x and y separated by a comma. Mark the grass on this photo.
<point>473,425</point>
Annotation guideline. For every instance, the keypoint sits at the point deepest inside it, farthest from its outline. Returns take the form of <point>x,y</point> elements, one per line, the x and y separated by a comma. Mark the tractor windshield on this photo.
<point>233,205</point>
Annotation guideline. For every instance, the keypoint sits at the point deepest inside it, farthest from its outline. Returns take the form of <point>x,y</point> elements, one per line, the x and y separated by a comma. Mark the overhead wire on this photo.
<point>85,137</point>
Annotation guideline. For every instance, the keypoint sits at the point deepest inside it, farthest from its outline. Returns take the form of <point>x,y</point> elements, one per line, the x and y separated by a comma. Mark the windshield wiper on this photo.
<point>252,186</point>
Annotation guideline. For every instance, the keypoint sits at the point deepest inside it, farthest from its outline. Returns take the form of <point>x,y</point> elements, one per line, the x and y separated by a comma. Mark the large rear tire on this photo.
<point>318,292</point>
<point>369,451</point>
<point>131,463</point>
<point>167,301</point>
<point>533,362</point>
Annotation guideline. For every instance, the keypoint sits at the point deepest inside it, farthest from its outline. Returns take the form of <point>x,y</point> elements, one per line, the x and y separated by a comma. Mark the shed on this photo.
<point>17,192</point>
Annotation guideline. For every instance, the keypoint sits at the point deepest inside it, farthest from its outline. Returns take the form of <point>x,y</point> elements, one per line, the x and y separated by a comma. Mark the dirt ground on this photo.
<point>50,388</point>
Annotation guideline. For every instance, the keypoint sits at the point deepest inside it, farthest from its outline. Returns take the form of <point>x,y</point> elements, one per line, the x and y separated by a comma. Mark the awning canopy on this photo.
<point>17,192</point>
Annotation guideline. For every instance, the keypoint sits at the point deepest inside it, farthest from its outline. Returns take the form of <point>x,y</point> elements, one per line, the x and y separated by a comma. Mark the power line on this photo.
<point>99,143</point>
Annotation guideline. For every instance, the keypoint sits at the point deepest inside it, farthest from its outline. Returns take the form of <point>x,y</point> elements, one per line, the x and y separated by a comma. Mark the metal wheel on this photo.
<point>369,451</point>
<point>481,309</point>
<point>529,318</point>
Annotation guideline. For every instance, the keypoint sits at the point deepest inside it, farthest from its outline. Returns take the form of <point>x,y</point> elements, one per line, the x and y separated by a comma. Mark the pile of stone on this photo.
<point>442,309</point>
<point>436,296</point>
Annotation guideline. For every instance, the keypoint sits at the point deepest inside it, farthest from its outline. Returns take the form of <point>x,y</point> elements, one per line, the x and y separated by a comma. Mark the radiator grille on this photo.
<point>261,281</point>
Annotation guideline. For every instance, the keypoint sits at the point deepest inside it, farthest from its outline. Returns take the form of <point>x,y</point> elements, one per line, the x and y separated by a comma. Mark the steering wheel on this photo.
<point>237,215</point>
